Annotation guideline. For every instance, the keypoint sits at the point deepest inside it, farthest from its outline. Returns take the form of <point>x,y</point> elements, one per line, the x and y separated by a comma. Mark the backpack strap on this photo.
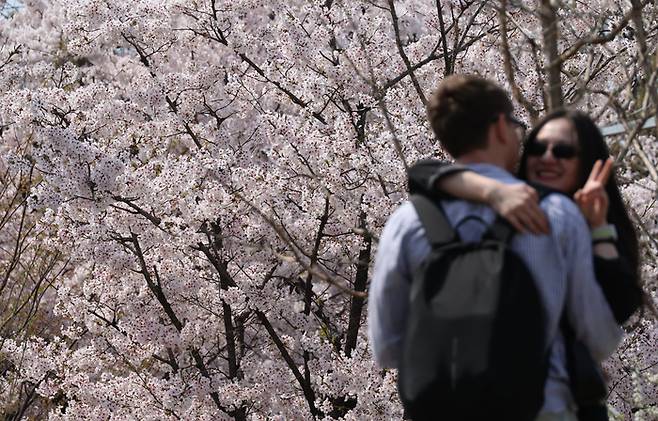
<point>437,228</point>
<point>500,230</point>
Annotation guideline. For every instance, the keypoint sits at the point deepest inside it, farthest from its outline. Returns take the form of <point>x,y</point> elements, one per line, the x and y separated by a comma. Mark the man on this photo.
<point>472,118</point>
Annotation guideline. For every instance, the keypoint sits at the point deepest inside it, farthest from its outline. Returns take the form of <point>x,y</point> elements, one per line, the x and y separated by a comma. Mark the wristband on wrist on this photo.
<point>603,241</point>
<point>604,233</point>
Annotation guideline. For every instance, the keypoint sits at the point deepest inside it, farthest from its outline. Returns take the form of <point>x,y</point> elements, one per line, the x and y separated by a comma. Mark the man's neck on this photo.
<point>482,156</point>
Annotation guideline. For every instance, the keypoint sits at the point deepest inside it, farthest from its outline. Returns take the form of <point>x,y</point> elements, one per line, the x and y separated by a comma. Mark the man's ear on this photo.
<point>501,129</point>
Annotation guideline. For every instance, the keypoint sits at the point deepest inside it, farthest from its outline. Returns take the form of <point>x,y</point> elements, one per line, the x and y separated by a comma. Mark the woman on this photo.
<point>564,152</point>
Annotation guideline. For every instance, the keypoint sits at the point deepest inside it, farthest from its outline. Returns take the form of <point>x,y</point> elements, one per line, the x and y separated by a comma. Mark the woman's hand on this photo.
<point>519,205</point>
<point>592,198</point>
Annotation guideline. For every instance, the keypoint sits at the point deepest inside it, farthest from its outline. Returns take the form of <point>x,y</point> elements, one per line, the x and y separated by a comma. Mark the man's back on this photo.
<point>561,264</point>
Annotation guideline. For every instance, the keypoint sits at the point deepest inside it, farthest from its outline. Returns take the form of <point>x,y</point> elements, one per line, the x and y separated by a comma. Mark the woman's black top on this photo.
<point>616,277</point>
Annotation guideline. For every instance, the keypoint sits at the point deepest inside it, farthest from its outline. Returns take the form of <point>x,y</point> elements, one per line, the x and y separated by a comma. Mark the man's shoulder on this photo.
<point>403,226</point>
<point>404,217</point>
<point>559,202</point>
<point>562,212</point>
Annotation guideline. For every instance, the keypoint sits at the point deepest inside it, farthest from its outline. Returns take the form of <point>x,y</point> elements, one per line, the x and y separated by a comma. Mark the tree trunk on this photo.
<point>548,17</point>
<point>360,283</point>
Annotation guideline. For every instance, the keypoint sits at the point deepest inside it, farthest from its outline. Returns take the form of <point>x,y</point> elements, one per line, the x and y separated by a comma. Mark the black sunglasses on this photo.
<point>559,150</point>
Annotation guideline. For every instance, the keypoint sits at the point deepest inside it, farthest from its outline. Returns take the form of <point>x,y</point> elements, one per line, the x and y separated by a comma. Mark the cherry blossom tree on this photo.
<point>207,181</point>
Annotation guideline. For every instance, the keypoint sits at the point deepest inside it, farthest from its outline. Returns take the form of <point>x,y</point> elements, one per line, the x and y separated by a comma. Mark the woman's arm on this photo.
<point>615,275</point>
<point>422,177</point>
<point>517,203</point>
<point>620,286</point>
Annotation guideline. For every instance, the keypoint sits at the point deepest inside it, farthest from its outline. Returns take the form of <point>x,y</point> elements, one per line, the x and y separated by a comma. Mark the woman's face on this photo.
<point>554,161</point>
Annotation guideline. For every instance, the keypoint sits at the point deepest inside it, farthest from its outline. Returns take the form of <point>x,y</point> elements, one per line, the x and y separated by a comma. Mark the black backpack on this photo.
<point>475,346</point>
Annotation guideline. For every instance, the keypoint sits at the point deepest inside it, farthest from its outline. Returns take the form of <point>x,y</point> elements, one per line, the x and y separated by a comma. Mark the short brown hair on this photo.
<point>461,110</point>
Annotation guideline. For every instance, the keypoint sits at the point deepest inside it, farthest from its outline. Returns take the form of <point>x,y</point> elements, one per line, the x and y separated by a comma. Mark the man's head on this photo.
<point>470,113</point>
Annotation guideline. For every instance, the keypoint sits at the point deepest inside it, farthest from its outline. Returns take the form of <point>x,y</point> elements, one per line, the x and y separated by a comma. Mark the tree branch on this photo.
<point>138,210</point>
<point>144,59</point>
<point>507,63</point>
<point>405,59</point>
<point>593,40</point>
<point>309,394</point>
<point>308,290</point>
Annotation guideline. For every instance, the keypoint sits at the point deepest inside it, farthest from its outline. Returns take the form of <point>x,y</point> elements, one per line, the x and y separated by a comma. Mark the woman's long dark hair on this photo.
<point>592,147</point>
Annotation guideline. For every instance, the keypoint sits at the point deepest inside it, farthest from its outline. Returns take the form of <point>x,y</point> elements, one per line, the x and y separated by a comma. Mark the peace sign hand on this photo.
<point>592,198</point>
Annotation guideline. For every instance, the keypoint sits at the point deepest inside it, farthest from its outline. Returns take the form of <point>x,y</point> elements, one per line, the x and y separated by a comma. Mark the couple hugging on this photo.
<point>573,234</point>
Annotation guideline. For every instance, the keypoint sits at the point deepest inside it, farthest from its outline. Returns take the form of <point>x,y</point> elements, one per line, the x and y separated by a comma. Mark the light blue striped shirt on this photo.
<point>561,264</point>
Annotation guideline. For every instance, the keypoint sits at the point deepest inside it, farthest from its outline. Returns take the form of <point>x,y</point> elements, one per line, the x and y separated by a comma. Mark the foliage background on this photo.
<point>191,191</point>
